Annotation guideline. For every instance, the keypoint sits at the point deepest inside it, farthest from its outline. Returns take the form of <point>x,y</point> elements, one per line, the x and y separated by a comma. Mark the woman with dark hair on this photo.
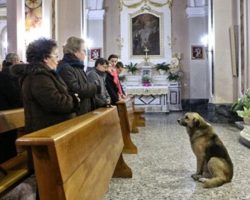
<point>45,96</point>
<point>113,59</point>
<point>71,69</point>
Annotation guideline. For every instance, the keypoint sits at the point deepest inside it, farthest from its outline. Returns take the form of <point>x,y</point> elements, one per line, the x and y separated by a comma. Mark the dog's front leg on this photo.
<point>199,169</point>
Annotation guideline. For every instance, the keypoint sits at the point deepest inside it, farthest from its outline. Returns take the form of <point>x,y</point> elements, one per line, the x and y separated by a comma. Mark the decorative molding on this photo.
<point>197,11</point>
<point>3,12</point>
<point>139,3</point>
<point>96,14</point>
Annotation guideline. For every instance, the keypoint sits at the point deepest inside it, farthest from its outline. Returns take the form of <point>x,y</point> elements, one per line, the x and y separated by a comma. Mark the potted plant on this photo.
<point>241,106</point>
<point>131,68</point>
<point>146,80</point>
<point>245,114</point>
<point>162,67</point>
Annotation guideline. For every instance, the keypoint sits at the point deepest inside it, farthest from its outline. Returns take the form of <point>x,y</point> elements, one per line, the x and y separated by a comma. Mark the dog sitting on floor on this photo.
<point>214,166</point>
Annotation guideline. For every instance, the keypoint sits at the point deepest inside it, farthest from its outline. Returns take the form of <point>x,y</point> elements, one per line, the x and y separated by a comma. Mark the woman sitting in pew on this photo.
<point>45,96</point>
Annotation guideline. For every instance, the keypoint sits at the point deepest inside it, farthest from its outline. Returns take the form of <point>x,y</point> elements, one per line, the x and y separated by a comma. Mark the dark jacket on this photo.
<point>71,69</point>
<point>10,91</point>
<point>96,76</point>
<point>112,89</point>
<point>46,99</point>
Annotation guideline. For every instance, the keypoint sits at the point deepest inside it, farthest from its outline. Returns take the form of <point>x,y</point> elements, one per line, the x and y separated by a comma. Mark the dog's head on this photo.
<point>192,120</point>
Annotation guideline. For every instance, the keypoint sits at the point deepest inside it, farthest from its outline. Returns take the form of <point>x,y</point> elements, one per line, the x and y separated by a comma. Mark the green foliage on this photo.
<point>174,76</point>
<point>131,67</point>
<point>162,66</point>
<point>244,113</point>
<point>146,79</point>
<point>241,103</point>
<point>122,78</point>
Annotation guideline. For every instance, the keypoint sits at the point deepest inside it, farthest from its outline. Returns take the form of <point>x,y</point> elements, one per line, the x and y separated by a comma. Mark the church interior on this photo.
<point>178,57</point>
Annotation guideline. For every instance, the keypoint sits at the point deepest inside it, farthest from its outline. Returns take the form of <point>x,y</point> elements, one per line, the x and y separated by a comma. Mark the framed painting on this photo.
<point>197,52</point>
<point>95,53</point>
<point>33,14</point>
<point>145,34</point>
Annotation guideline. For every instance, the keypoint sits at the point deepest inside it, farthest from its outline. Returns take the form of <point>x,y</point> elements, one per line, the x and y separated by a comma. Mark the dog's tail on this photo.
<point>214,182</point>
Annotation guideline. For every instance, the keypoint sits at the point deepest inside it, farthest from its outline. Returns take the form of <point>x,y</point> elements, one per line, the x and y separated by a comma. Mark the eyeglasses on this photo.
<point>54,56</point>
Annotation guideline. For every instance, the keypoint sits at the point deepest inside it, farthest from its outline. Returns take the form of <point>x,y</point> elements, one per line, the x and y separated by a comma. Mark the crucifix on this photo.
<point>146,58</point>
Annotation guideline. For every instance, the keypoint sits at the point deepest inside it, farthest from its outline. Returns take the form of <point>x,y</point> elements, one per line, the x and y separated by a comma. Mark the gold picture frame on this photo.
<point>146,30</point>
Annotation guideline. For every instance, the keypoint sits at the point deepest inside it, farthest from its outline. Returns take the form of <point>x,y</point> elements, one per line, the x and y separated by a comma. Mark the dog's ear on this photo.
<point>196,122</point>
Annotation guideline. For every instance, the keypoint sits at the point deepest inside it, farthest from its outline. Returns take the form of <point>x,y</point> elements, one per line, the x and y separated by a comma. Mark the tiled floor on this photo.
<point>162,168</point>
<point>165,161</point>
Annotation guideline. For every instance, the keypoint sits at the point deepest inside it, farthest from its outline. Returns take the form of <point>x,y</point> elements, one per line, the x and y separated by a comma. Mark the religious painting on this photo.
<point>33,14</point>
<point>145,34</point>
<point>197,52</point>
<point>95,53</point>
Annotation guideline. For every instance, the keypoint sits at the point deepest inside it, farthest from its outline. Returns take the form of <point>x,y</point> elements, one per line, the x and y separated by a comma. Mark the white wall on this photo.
<point>199,83</point>
<point>95,34</point>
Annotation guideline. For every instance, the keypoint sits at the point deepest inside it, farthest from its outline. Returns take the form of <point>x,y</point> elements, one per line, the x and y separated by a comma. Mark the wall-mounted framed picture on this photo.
<point>146,33</point>
<point>197,52</point>
<point>95,53</point>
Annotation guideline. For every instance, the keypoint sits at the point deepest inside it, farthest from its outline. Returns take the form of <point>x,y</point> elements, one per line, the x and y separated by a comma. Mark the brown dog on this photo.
<point>214,166</point>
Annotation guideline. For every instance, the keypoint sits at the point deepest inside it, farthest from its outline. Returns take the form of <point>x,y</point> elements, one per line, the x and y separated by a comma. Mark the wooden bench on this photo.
<point>17,168</point>
<point>139,119</point>
<point>77,158</point>
<point>126,115</point>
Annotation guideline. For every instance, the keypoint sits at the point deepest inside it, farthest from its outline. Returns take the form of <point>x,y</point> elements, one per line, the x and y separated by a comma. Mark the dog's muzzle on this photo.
<point>182,122</point>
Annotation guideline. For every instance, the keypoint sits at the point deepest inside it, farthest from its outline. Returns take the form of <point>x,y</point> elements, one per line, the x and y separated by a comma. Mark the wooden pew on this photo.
<point>139,119</point>
<point>77,158</point>
<point>17,168</point>
<point>126,115</point>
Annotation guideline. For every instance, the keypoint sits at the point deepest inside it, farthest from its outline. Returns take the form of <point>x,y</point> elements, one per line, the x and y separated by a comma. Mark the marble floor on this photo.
<point>162,168</point>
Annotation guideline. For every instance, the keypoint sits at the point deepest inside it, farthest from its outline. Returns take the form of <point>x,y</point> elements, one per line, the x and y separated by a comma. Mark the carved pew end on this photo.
<point>122,170</point>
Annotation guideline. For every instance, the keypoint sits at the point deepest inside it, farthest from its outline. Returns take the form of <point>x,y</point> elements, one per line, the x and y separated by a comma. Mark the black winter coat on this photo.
<point>10,91</point>
<point>112,89</point>
<point>71,69</point>
<point>45,96</point>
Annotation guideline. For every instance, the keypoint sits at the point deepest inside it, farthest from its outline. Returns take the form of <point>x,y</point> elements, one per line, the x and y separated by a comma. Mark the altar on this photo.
<point>152,98</point>
<point>153,90</point>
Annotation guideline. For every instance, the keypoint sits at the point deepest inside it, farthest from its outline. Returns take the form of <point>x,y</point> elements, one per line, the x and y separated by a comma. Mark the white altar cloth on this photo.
<point>152,98</point>
<point>147,90</point>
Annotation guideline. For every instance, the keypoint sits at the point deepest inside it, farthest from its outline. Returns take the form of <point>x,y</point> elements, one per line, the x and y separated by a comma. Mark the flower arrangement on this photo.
<point>146,80</point>
<point>174,69</point>
<point>131,68</point>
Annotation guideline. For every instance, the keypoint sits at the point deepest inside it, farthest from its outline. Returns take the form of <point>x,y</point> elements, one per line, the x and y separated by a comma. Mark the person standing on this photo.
<point>10,97</point>
<point>98,76</point>
<point>10,91</point>
<point>71,69</point>
<point>46,98</point>
<point>113,59</point>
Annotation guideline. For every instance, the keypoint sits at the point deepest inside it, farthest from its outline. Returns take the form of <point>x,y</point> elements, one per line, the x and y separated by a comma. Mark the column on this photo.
<point>15,27</point>
<point>69,20</point>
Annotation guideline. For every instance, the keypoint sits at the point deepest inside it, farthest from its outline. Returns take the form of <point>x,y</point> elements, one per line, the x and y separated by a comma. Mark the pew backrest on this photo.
<point>126,111</point>
<point>76,159</point>
<point>11,119</point>
<point>17,167</point>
